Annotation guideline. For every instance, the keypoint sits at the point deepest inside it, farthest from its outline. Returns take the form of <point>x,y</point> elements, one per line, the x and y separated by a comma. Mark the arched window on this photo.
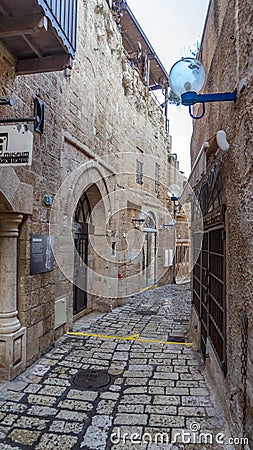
<point>83,210</point>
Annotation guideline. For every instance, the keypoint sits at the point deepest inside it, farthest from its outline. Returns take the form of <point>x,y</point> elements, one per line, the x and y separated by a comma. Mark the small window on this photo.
<point>157,175</point>
<point>139,172</point>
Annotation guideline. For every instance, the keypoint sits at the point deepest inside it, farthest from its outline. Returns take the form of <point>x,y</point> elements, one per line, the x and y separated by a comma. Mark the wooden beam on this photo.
<point>46,64</point>
<point>15,26</point>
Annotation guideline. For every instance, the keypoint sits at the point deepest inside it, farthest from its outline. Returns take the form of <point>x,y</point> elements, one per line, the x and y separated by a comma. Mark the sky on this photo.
<point>173,28</point>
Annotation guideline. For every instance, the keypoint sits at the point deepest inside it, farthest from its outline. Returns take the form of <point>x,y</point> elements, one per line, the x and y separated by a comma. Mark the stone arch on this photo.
<point>15,196</point>
<point>95,180</point>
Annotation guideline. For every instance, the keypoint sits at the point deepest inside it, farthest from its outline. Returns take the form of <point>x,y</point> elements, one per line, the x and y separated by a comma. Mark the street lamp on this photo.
<point>187,77</point>
<point>174,194</point>
<point>142,217</point>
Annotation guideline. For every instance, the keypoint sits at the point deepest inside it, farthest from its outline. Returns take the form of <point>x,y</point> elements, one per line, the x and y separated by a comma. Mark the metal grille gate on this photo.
<point>209,291</point>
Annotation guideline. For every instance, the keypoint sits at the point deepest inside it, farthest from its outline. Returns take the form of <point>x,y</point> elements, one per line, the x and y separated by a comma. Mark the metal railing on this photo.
<point>63,17</point>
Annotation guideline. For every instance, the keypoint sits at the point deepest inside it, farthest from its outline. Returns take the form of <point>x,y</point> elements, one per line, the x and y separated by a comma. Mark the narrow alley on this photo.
<point>131,386</point>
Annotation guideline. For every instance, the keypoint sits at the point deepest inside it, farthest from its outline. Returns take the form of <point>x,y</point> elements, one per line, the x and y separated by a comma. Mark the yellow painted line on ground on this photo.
<point>149,287</point>
<point>132,337</point>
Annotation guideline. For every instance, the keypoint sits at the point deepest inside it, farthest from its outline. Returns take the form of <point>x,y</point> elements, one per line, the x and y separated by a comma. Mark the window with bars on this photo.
<point>157,176</point>
<point>139,172</point>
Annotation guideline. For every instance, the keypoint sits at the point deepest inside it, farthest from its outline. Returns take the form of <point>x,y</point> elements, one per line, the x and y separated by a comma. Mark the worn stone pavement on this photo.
<point>156,390</point>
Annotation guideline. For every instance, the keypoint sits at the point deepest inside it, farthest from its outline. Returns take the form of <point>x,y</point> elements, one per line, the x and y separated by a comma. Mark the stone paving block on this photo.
<point>167,400</point>
<point>8,447</point>
<point>77,416</point>
<point>177,391</point>
<point>136,373</point>
<point>136,398</point>
<point>124,408</point>
<point>189,376</point>
<point>156,390</point>
<point>31,423</point>
<point>181,369</point>
<point>136,390</point>
<point>191,411</point>
<point>146,368</point>
<point>162,420</point>
<point>4,431</point>
<point>11,395</point>
<point>131,419</point>
<point>42,411</point>
<point>161,383</point>
<point>185,383</point>
<point>102,421</point>
<point>51,441</point>
<point>110,395</point>
<point>143,355</point>
<point>136,381</point>
<point>52,390</point>
<point>166,375</point>
<point>139,361</point>
<point>192,400</point>
<point>105,407</point>
<point>32,388</point>
<point>76,405</point>
<point>13,407</point>
<point>199,391</point>
<point>161,409</point>
<point>120,356</point>
<point>179,362</point>
<point>9,419</point>
<point>16,385</point>
<point>123,347</point>
<point>41,400</point>
<point>94,438</point>
<point>101,355</point>
<point>61,426</point>
<point>24,437</point>
<point>53,382</point>
<point>78,394</point>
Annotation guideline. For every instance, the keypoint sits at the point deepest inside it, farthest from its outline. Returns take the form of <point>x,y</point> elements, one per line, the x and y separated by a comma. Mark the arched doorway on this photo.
<point>82,218</point>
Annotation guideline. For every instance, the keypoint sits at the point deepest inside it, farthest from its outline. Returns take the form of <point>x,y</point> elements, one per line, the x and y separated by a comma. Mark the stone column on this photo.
<point>12,335</point>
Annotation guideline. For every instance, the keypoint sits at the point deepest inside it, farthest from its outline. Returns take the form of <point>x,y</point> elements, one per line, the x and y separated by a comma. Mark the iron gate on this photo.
<point>209,292</point>
<point>80,268</point>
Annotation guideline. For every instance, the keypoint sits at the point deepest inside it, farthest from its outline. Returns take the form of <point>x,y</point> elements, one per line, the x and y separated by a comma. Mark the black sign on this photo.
<point>41,253</point>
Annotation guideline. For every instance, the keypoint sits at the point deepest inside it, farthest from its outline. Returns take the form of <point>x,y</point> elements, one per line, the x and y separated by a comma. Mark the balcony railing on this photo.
<point>63,17</point>
<point>40,34</point>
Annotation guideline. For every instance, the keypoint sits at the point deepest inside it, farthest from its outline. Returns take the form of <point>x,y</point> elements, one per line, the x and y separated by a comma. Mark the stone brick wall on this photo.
<point>227,52</point>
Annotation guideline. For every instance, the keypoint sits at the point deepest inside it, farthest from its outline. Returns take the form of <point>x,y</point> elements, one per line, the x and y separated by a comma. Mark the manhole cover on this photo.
<point>91,379</point>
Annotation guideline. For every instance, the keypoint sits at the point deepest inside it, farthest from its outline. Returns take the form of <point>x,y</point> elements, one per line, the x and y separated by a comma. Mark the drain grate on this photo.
<point>91,379</point>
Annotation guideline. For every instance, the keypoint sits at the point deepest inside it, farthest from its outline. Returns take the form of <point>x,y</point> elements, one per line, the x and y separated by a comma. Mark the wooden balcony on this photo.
<point>40,34</point>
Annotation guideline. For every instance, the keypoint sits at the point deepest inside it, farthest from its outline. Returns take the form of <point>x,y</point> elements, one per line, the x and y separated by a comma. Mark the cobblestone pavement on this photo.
<point>155,391</point>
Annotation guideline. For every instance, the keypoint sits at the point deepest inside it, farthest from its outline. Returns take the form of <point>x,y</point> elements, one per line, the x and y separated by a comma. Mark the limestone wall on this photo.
<point>102,110</point>
<point>227,53</point>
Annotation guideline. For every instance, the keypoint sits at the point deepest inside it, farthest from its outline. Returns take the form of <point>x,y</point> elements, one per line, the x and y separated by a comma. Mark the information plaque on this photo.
<point>41,253</point>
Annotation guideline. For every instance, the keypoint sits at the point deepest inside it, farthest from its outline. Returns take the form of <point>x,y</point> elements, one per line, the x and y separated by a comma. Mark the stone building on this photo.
<point>222,181</point>
<point>81,226</point>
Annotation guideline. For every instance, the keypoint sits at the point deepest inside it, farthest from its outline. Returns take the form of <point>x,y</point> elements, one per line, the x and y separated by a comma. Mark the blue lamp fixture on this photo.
<point>187,77</point>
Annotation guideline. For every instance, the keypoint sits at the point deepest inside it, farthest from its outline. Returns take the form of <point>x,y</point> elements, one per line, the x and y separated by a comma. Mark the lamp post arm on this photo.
<point>218,97</point>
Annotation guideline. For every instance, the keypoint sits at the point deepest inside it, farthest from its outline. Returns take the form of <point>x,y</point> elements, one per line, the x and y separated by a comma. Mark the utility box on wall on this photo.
<point>60,312</point>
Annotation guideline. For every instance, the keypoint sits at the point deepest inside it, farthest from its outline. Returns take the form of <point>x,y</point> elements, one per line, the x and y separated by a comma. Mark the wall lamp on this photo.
<point>141,219</point>
<point>187,77</point>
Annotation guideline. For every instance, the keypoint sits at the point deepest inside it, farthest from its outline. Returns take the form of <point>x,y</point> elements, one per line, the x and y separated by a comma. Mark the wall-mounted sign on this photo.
<point>16,144</point>
<point>41,253</point>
